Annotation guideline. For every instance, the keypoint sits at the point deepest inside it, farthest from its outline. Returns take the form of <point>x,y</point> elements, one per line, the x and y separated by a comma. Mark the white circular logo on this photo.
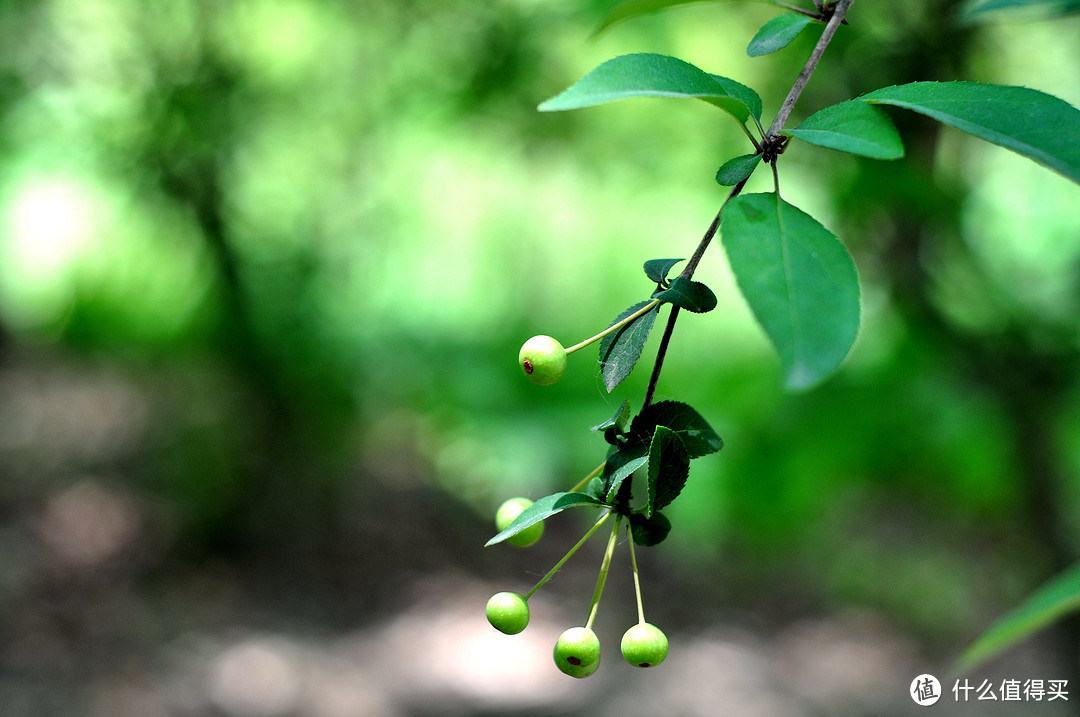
<point>925,690</point>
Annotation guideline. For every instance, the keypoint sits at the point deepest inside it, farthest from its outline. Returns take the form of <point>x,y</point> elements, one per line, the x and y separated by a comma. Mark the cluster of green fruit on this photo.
<point>656,445</point>
<point>577,651</point>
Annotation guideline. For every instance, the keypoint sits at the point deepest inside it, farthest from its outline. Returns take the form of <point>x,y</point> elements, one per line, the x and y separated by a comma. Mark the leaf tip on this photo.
<point>801,378</point>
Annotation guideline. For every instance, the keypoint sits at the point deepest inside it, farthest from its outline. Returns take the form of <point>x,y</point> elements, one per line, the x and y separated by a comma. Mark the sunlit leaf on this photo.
<point>855,127</point>
<point>986,9</point>
<point>739,91</point>
<point>777,34</point>
<point>648,74</point>
<point>1029,122</point>
<point>1053,600</point>
<point>800,283</point>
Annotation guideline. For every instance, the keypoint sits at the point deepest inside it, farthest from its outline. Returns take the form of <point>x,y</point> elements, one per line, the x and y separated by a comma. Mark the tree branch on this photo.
<point>808,69</point>
<point>687,273</point>
<point>839,11</point>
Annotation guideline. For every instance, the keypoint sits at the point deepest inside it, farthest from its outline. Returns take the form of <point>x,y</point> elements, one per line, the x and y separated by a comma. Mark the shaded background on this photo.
<point>265,266</point>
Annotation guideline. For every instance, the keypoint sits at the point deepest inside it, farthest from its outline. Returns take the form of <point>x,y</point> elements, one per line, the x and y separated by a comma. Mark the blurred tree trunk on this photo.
<point>193,140</point>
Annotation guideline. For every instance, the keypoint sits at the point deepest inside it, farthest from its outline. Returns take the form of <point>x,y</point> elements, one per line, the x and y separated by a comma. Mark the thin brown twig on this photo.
<point>687,273</point>
<point>839,11</point>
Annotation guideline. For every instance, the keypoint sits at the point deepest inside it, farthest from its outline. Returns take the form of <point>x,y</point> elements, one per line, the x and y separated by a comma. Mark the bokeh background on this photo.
<point>265,266</point>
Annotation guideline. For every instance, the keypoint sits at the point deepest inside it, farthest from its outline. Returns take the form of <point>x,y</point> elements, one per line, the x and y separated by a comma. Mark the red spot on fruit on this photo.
<point>527,364</point>
<point>643,664</point>
<point>573,660</point>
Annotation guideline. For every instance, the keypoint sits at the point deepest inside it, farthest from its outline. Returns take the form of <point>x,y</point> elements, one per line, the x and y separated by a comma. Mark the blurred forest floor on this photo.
<point>108,613</point>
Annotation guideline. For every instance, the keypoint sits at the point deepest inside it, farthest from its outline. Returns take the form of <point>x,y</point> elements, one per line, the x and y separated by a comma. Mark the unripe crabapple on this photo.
<point>577,652</point>
<point>505,515</point>
<point>543,359</point>
<point>508,612</point>
<point>644,645</point>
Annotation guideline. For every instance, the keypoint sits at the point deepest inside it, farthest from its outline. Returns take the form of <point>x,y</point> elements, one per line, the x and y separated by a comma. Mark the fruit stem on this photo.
<point>602,578</point>
<point>637,583</point>
<point>585,481</point>
<point>615,327</point>
<point>566,557</point>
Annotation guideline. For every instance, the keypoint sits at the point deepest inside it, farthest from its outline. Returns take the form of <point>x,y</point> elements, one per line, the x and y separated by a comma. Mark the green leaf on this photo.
<point>621,349</point>
<point>619,420</point>
<point>852,126</point>
<point>634,8</point>
<point>595,488</point>
<point>1059,597</point>
<point>800,283</point>
<point>737,169</point>
<point>621,465</point>
<point>1032,123</point>
<point>696,434</point>
<point>686,294</point>
<point>739,91</point>
<point>649,531</point>
<point>777,34</point>
<point>542,509</point>
<point>657,269</point>
<point>979,9</point>
<point>669,464</point>
<point>647,74</point>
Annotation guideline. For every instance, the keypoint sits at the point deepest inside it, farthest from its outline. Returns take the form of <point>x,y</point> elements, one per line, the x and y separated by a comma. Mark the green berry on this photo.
<point>508,612</point>
<point>543,359</point>
<point>577,652</point>
<point>505,515</point>
<point>644,645</point>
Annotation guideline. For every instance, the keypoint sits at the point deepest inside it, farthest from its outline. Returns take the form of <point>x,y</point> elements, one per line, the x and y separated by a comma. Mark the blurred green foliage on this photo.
<point>316,233</point>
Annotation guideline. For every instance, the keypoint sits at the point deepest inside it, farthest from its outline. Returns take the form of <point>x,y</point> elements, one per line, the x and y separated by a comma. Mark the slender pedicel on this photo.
<point>566,557</point>
<point>616,326</point>
<point>637,582</point>
<point>602,578</point>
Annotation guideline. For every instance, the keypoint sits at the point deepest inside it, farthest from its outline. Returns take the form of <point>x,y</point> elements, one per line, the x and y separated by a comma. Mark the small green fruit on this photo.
<point>644,645</point>
<point>577,652</point>
<point>543,359</point>
<point>508,612</point>
<point>505,515</point>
